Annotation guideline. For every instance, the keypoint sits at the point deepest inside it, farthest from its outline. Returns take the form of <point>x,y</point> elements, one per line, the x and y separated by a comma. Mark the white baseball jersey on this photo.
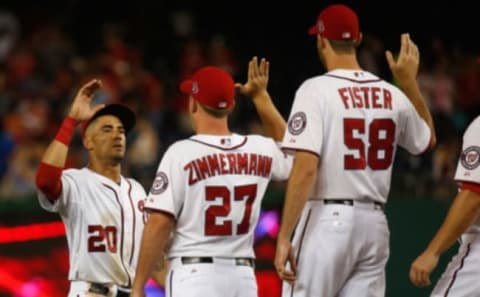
<point>353,121</point>
<point>461,275</point>
<point>468,167</point>
<point>104,223</point>
<point>213,187</point>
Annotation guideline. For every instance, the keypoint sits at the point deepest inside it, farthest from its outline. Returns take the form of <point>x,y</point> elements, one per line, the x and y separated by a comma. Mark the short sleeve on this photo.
<point>415,135</point>
<point>167,191</point>
<point>282,163</point>
<point>305,127</point>
<point>63,202</point>
<point>468,167</point>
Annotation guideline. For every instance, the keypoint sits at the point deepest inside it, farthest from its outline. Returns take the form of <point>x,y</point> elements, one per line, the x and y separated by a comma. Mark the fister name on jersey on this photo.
<point>366,97</point>
<point>231,163</point>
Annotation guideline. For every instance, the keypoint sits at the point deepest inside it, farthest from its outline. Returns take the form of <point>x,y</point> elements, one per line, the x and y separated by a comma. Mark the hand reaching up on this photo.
<point>81,109</point>
<point>257,78</point>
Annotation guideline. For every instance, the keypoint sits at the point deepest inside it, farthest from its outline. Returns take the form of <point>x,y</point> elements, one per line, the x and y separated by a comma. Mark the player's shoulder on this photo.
<point>259,138</point>
<point>75,172</point>
<point>177,146</point>
<point>473,129</point>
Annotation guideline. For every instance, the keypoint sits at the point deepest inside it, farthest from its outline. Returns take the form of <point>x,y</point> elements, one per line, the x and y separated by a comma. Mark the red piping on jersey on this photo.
<point>456,271</point>
<point>219,147</point>
<point>167,213</point>
<point>122,232</point>
<point>285,148</point>
<point>474,187</point>
<point>354,80</point>
<point>133,223</point>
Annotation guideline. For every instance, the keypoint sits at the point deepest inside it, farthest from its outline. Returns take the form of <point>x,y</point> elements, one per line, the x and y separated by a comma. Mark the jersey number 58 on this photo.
<point>379,150</point>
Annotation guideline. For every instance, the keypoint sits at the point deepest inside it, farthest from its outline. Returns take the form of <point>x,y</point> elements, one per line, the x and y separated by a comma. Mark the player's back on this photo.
<point>217,184</point>
<point>354,121</point>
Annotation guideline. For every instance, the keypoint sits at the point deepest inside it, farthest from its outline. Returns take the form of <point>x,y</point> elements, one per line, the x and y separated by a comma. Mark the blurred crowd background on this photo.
<point>141,50</point>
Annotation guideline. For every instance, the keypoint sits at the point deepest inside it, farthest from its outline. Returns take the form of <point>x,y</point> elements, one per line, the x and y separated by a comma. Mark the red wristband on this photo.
<point>65,134</point>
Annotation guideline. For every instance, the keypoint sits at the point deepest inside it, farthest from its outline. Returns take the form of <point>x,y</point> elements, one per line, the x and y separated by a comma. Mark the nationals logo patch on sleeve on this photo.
<point>297,123</point>
<point>470,157</point>
<point>160,184</point>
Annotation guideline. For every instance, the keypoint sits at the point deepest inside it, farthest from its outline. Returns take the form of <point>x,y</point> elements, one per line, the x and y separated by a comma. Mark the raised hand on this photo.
<point>81,109</point>
<point>405,67</point>
<point>257,78</point>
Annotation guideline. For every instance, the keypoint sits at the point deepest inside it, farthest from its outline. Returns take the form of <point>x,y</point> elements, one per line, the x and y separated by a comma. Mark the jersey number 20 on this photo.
<point>381,135</point>
<point>99,235</point>
<point>240,193</point>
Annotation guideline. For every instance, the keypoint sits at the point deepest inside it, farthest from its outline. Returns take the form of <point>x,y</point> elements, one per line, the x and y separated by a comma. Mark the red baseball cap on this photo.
<point>122,112</point>
<point>337,22</point>
<point>211,86</point>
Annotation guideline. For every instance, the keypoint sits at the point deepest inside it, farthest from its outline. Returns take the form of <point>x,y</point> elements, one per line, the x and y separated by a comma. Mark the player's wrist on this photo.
<point>67,130</point>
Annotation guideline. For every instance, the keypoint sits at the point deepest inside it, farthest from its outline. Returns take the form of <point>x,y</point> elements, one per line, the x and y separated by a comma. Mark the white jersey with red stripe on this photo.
<point>213,186</point>
<point>460,278</point>
<point>353,121</point>
<point>104,223</point>
<point>468,167</point>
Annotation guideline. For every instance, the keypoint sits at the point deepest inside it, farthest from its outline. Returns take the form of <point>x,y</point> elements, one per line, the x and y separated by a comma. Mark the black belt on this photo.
<point>103,290</point>
<point>350,202</point>
<point>238,261</point>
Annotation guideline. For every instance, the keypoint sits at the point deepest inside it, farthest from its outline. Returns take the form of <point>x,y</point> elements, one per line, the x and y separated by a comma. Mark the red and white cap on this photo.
<point>211,86</point>
<point>337,22</point>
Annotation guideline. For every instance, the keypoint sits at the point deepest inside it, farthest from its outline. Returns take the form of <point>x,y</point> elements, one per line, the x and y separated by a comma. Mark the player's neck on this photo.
<point>111,171</point>
<point>343,62</point>
<point>213,126</point>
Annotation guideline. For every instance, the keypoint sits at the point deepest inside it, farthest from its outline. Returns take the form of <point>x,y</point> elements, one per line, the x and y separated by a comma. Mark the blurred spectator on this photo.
<point>9,31</point>
<point>371,54</point>
<point>19,181</point>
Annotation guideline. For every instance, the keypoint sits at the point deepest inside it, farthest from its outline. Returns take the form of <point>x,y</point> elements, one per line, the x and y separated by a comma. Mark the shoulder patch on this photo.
<point>160,184</point>
<point>297,123</point>
<point>470,157</point>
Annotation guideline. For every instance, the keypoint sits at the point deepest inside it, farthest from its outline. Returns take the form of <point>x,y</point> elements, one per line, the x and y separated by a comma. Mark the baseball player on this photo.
<point>462,223</point>
<point>101,209</point>
<point>209,188</point>
<point>344,129</point>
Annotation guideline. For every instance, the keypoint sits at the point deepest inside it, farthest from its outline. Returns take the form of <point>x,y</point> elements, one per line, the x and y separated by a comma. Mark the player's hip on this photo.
<point>87,289</point>
<point>210,276</point>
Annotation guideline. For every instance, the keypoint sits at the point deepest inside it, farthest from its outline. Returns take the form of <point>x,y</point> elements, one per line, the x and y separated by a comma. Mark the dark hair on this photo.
<point>344,46</point>
<point>216,113</point>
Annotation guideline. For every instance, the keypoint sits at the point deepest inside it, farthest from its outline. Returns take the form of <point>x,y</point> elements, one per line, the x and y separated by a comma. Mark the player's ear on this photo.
<point>87,141</point>
<point>194,105</point>
<point>359,40</point>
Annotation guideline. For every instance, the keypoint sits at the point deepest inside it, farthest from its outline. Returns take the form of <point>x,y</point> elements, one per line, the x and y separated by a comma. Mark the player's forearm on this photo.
<point>155,236</point>
<point>463,212</point>
<point>273,122</point>
<point>57,151</point>
<point>299,186</point>
<point>48,177</point>
<point>412,91</point>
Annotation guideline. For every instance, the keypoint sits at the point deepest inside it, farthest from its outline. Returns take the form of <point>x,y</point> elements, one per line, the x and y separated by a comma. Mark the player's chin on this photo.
<point>118,157</point>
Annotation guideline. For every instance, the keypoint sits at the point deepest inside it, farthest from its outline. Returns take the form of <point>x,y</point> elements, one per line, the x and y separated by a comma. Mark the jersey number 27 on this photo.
<point>245,193</point>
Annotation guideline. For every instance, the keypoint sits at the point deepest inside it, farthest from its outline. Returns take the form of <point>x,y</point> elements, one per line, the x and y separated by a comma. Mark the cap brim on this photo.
<point>122,112</point>
<point>186,87</point>
<point>313,30</point>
